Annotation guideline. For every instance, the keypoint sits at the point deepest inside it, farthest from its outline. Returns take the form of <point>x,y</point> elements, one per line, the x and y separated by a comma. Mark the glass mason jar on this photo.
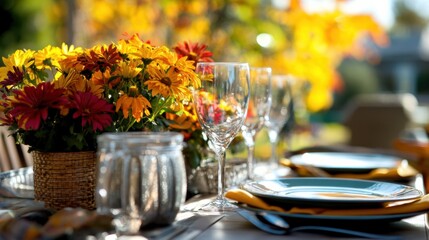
<point>141,178</point>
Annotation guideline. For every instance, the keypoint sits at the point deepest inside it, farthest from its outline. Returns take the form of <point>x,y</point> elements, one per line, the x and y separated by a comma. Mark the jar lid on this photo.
<point>143,139</point>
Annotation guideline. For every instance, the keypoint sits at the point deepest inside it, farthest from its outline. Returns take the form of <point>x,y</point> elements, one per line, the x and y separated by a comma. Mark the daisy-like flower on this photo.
<point>128,69</point>
<point>100,58</point>
<point>137,105</point>
<point>69,63</point>
<point>20,58</point>
<point>70,50</point>
<point>31,105</point>
<point>14,70</point>
<point>47,58</point>
<point>93,111</point>
<point>61,98</point>
<point>148,53</point>
<point>166,83</point>
<point>129,49</point>
<point>66,81</point>
<point>102,79</point>
<point>194,51</point>
<point>132,40</point>
<point>184,68</point>
<point>88,86</point>
<point>74,82</point>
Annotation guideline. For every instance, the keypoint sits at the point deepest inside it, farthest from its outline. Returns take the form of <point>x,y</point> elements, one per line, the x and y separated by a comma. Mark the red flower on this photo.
<point>32,104</point>
<point>93,110</point>
<point>99,61</point>
<point>212,110</point>
<point>13,78</point>
<point>7,120</point>
<point>194,51</point>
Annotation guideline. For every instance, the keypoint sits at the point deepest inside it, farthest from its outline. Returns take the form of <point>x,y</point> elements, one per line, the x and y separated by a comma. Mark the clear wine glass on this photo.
<point>221,105</point>
<point>278,115</point>
<point>259,107</point>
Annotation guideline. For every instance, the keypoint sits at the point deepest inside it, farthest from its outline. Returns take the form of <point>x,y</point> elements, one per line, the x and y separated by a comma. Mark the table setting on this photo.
<point>389,209</point>
<point>132,181</point>
<point>350,165</point>
<point>343,196</point>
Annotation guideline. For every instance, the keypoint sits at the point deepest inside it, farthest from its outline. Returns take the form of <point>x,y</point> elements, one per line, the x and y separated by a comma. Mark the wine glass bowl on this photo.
<point>279,113</point>
<point>221,104</point>
<point>258,110</point>
<point>219,119</point>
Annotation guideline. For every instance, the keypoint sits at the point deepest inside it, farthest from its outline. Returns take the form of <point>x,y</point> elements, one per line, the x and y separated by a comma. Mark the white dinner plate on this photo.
<point>336,162</point>
<point>330,192</point>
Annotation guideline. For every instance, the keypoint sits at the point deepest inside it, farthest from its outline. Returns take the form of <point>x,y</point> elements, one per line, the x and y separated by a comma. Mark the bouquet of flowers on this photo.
<point>58,99</point>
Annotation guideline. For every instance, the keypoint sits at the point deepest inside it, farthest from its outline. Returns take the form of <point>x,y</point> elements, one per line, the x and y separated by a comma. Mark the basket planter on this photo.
<point>65,179</point>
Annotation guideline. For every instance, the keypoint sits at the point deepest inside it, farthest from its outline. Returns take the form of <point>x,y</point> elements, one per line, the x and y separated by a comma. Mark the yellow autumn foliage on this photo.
<point>307,45</point>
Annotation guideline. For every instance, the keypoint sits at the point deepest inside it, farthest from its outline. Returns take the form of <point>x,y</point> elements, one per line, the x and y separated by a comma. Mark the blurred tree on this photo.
<point>282,36</point>
<point>358,77</point>
<point>406,18</point>
<point>29,24</point>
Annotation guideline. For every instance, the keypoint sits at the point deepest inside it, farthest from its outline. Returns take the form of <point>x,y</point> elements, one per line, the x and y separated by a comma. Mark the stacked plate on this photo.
<point>333,193</point>
<point>344,162</point>
<point>337,193</point>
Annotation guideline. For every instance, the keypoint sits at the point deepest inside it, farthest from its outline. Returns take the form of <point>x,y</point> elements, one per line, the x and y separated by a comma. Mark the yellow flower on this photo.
<point>47,58</point>
<point>147,52</point>
<point>125,86</point>
<point>166,83</point>
<point>184,68</point>
<point>74,82</point>
<point>128,69</point>
<point>129,47</point>
<point>67,80</point>
<point>70,50</point>
<point>21,59</point>
<point>68,63</point>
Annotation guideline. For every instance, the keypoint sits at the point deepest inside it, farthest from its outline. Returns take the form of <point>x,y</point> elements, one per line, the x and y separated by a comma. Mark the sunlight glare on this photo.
<point>265,40</point>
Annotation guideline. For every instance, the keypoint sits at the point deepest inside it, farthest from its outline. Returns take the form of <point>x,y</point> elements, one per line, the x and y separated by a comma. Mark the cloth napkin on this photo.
<point>418,205</point>
<point>403,171</point>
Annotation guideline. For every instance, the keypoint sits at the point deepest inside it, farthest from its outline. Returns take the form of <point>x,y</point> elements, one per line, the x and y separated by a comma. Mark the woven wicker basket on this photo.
<point>65,179</point>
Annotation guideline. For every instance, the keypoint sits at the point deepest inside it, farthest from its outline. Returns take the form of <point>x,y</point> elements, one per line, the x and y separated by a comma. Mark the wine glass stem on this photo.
<point>273,135</point>
<point>250,161</point>
<point>221,175</point>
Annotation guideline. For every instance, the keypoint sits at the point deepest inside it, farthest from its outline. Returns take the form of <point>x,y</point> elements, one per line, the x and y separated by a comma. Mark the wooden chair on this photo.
<point>12,155</point>
<point>376,120</point>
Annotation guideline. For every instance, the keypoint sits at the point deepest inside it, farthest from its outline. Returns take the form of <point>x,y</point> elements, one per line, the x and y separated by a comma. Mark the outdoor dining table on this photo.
<point>230,225</point>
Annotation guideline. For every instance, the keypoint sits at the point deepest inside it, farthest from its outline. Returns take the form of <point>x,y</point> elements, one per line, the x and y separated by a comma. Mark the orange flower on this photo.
<point>187,120</point>
<point>136,105</point>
